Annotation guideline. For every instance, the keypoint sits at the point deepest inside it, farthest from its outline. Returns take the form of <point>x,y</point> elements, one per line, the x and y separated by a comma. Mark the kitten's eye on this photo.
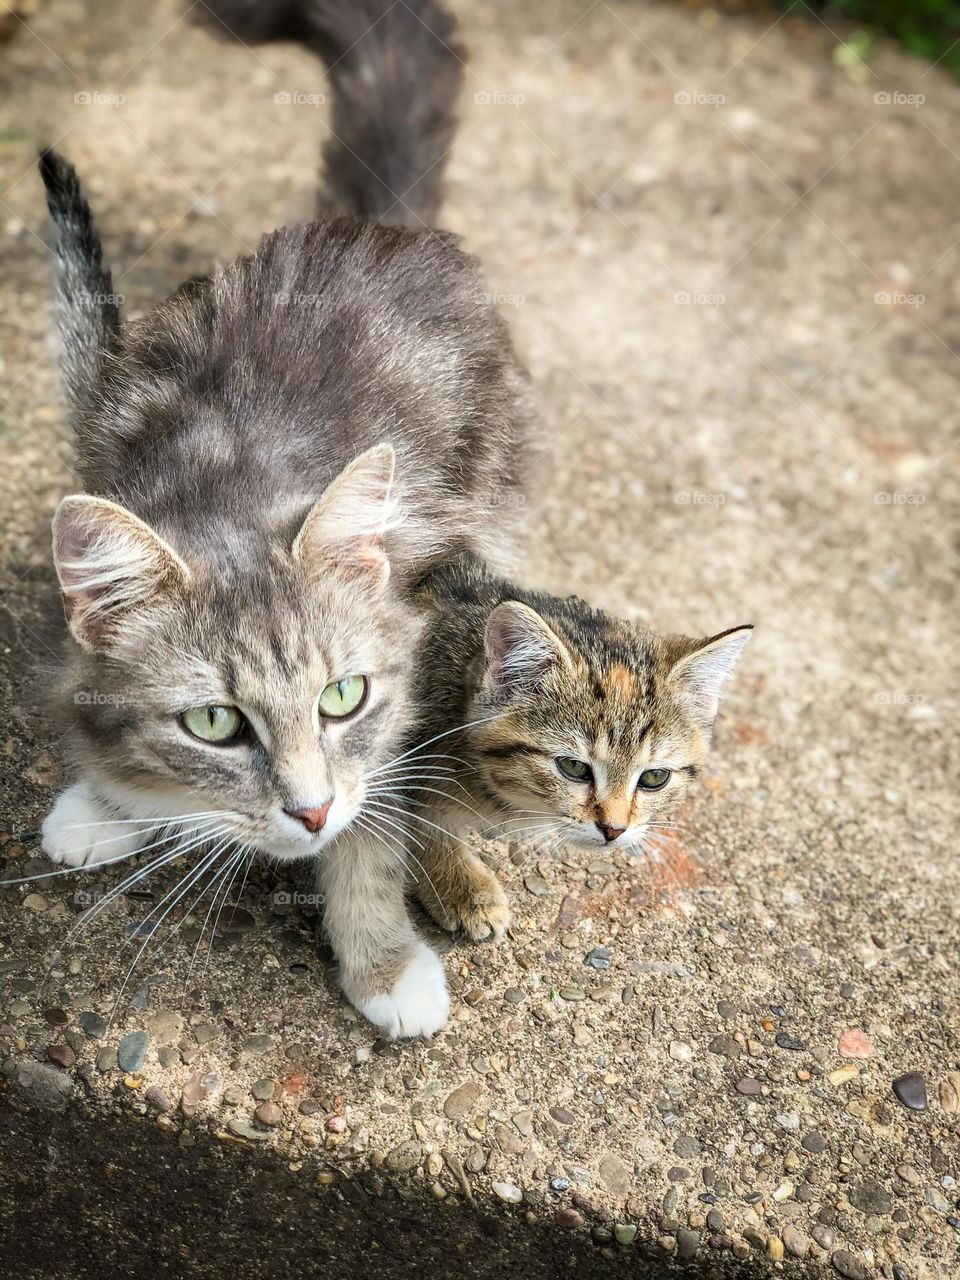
<point>654,779</point>
<point>214,724</point>
<point>343,697</point>
<point>575,770</point>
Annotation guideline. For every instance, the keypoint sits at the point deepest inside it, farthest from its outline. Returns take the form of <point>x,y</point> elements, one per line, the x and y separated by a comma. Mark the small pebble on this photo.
<point>843,1074</point>
<point>92,1025</point>
<point>259,1044</point>
<point>269,1113</point>
<point>244,1129</point>
<point>568,1219</point>
<point>949,1092</point>
<point>688,1242</point>
<point>795,1242</point>
<point>598,958</point>
<point>107,1058</point>
<point>849,1266</point>
<point>814,1142</point>
<point>538,886</point>
<point>524,1122</point>
<point>911,1090</point>
<point>507,1192</point>
<point>871,1197</point>
<point>854,1044</point>
<point>784,1041</point>
<point>157,1099</point>
<point>61,1055</point>
<point>404,1158</point>
<point>132,1050</point>
<point>463,1102</point>
<point>239,920</point>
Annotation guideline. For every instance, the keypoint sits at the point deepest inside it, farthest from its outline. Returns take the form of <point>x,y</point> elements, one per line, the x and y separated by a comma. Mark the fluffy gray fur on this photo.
<point>269,459</point>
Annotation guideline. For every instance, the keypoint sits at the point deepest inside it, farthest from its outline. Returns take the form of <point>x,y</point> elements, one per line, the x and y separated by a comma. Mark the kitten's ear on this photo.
<point>109,564</point>
<point>521,649</point>
<point>701,675</point>
<point>344,530</point>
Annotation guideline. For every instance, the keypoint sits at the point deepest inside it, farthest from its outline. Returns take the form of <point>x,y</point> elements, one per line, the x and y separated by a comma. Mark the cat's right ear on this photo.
<point>521,649</point>
<point>110,565</point>
<point>344,530</point>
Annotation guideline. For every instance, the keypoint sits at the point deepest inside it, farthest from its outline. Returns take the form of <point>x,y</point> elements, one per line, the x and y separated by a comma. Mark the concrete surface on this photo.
<point>780,448</point>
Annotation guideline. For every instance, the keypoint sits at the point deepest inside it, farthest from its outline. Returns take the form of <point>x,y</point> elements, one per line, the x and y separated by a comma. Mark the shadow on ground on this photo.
<point>82,1197</point>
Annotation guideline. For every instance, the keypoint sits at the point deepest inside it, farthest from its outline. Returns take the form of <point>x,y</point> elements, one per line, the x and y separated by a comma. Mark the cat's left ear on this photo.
<point>701,674</point>
<point>344,530</point>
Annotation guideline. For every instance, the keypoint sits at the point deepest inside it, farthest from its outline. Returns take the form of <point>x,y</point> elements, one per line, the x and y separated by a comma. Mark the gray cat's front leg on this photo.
<point>80,830</point>
<point>387,971</point>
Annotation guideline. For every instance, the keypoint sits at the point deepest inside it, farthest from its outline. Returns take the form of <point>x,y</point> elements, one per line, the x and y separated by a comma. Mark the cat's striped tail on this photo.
<point>395,71</point>
<point>87,310</point>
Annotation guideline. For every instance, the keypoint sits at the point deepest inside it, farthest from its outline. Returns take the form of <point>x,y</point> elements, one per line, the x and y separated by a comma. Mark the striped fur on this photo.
<point>536,679</point>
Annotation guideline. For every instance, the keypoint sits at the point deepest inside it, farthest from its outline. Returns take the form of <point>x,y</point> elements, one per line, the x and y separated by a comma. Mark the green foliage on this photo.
<point>928,28</point>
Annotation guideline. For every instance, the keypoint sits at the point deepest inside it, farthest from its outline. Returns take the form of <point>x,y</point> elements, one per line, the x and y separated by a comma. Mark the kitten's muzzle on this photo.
<point>610,833</point>
<point>312,819</point>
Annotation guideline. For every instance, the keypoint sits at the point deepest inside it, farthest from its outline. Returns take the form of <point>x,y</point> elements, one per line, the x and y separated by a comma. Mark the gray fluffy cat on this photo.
<point>269,460</point>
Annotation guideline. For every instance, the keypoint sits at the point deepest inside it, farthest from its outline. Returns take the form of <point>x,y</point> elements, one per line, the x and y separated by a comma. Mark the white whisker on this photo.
<point>199,871</point>
<point>413,751</point>
<point>90,867</point>
<point>128,883</point>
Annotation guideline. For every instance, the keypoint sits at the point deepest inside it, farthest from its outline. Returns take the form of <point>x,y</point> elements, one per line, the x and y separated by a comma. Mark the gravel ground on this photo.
<point>730,261</point>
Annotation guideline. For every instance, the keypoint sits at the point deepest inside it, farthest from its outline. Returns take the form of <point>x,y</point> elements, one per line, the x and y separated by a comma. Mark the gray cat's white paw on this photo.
<point>419,1003</point>
<point>79,833</point>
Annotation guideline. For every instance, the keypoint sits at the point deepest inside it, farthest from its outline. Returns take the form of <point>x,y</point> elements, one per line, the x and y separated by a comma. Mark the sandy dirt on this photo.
<point>731,264</point>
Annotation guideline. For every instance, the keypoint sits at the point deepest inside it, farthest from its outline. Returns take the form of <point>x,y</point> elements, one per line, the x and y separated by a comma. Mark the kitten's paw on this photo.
<point>79,833</point>
<point>418,1004</point>
<point>473,903</point>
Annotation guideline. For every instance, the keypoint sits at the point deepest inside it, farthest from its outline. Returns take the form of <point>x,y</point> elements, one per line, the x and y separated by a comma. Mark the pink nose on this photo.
<point>312,819</point>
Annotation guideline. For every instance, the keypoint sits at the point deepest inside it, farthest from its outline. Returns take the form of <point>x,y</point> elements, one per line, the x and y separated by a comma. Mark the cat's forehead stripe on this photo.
<point>620,681</point>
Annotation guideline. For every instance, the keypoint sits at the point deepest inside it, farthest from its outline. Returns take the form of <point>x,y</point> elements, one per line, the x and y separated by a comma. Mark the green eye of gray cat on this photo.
<point>213,723</point>
<point>654,779</point>
<point>575,770</point>
<point>343,697</point>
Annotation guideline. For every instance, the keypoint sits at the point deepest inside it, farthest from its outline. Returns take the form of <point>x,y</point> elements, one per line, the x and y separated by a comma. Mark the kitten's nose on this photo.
<point>610,833</point>
<point>312,819</point>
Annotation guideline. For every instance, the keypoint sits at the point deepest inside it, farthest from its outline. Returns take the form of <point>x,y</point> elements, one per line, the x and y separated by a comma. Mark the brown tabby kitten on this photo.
<point>578,728</point>
<point>268,459</point>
